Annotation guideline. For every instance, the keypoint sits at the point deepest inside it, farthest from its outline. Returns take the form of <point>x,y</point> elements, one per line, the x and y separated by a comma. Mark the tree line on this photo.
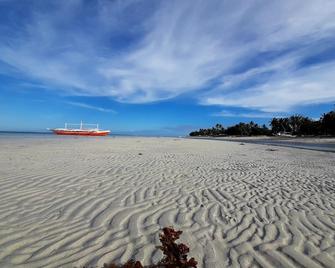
<point>294,125</point>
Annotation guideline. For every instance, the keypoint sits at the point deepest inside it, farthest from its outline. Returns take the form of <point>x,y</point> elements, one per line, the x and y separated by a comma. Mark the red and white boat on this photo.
<point>81,129</point>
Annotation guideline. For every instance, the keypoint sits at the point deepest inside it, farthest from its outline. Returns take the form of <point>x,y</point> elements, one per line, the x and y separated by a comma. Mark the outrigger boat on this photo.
<point>80,129</point>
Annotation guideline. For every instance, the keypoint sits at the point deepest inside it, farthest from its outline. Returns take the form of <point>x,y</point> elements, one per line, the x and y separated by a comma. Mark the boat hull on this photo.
<point>81,132</point>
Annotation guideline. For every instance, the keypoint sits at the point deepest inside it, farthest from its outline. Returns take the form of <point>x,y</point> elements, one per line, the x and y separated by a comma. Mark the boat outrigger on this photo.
<point>81,129</point>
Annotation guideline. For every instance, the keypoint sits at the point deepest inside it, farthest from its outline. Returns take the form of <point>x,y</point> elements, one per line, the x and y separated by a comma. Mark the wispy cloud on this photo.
<point>233,53</point>
<point>284,91</point>
<point>226,113</point>
<point>91,107</point>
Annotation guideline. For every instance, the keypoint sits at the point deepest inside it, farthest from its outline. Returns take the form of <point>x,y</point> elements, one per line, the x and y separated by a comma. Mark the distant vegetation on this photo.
<point>294,125</point>
<point>241,129</point>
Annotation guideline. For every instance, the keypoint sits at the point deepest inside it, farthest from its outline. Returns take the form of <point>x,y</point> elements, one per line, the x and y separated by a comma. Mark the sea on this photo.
<point>323,147</point>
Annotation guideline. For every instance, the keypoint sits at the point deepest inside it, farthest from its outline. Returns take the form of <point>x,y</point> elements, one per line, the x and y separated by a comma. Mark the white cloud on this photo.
<point>226,113</point>
<point>143,51</point>
<point>307,86</point>
<point>91,107</point>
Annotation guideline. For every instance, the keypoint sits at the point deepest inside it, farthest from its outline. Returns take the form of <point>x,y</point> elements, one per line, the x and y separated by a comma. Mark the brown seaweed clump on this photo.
<point>175,255</point>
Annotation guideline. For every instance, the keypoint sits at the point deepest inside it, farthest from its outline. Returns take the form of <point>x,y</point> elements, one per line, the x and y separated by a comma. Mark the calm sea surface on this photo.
<point>325,147</point>
<point>50,135</point>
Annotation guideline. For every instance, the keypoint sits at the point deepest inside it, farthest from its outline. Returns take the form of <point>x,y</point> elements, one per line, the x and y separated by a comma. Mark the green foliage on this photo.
<point>294,125</point>
<point>301,126</point>
<point>328,123</point>
<point>241,129</point>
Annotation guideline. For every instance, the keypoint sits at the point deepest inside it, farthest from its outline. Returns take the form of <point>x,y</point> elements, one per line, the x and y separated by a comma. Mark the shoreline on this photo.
<point>316,144</point>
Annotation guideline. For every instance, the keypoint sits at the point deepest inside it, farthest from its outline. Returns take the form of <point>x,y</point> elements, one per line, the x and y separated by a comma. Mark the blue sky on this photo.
<point>164,67</point>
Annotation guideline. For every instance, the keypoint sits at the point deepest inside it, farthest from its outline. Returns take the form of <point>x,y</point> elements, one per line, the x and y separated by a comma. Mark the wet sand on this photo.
<point>316,144</point>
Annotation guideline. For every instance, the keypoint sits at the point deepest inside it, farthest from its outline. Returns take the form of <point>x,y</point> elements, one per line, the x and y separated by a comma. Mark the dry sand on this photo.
<point>69,202</point>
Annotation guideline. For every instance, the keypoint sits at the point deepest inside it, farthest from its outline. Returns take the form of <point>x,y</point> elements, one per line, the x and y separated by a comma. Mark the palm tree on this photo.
<point>328,123</point>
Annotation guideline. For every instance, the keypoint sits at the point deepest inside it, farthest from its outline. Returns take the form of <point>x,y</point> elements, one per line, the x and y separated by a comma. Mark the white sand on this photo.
<point>67,202</point>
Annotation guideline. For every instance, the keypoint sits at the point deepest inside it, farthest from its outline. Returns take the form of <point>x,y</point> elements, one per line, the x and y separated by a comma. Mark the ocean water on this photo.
<point>325,147</point>
<point>17,134</point>
<point>50,135</point>
<point>41,135</point>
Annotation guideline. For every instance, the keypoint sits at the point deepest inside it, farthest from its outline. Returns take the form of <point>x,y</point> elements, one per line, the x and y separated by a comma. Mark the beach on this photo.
<point>323,144</point>
<point>86,201</point>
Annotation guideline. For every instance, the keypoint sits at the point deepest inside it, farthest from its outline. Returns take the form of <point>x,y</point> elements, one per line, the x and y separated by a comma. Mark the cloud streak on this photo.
<point>284,91</point>
<point>227,113</point>
<point>241,54</point>
<point>91,107</point>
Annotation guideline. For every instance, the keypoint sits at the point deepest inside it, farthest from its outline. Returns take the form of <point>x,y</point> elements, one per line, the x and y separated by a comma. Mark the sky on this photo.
<point>153,67</point>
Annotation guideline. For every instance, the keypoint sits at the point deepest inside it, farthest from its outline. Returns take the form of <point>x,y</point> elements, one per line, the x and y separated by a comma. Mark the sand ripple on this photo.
<point>67,202</point>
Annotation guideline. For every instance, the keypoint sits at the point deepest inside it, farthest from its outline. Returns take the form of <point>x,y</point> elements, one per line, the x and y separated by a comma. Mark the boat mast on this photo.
<point>65,125</point>
<point>81,124</point>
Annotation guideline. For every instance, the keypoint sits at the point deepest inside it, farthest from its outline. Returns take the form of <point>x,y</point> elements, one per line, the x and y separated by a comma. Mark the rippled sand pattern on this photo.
<point>69,202</point>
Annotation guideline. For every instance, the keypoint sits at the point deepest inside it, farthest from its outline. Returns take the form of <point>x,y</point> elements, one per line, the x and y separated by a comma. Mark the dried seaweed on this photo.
<point>175,255</point>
